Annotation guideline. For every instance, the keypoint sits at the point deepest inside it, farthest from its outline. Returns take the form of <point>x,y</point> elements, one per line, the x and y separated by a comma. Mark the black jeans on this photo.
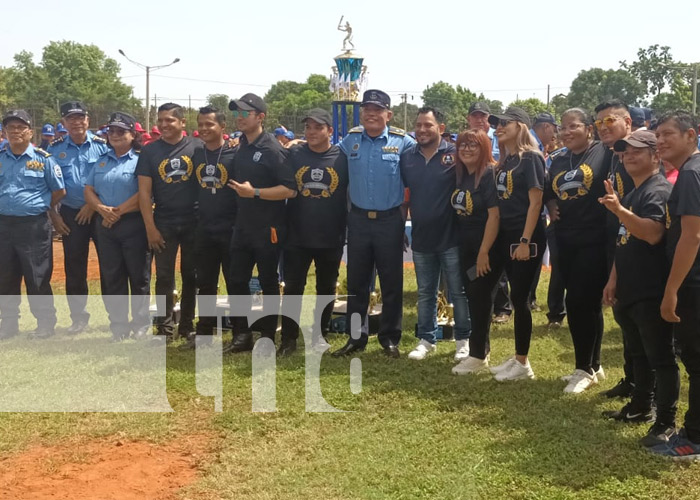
<point>182,237</point>
<point>556,291</point>
<point>250,248</point>
<point>297,261</point>
<point>687,333</point>
<point>76,250</point>
<point>213,256</point>
<point>649,341</point>
<point>376,242</point>
<point>584,271</point>
<point>125,264</point>
<point>520,274</point>
<point>26,252</point>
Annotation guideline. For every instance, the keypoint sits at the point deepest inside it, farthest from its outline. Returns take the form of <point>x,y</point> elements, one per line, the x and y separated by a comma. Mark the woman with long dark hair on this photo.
<point>475,201</point>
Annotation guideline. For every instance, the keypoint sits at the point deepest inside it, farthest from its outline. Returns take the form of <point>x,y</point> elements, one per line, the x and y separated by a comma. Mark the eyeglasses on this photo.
<point>16,128</point>
<point>608,120</point>
<point>571,128</point>
<point>116,131</point>
<point>242,114</point>
<point>469,146</point>
<point>75,117</point>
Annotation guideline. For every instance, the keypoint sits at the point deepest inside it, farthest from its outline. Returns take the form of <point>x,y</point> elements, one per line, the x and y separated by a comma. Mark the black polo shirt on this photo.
<point>217,201</point>
<point>317,216</point>
<point>642,269</point>
<point>171,169</point>
<point>264,164</point>
<point>514,179</point>
<point>684,200</point>
<point>431,183</point>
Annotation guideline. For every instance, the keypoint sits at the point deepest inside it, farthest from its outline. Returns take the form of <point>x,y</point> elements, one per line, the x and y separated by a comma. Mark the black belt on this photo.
<point>23,218</point>
<point>375,214</point>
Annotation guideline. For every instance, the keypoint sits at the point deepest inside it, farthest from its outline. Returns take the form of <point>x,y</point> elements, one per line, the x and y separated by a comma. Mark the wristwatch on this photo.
<point>256,193</point>
<point>524,240</point>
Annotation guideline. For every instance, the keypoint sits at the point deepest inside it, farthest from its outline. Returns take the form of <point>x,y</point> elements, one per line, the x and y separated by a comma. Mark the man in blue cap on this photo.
<point>31,184</point>
<point>47,135</point>
<point>61,130</point>
<point>77,153</point>
<point>375,221</point>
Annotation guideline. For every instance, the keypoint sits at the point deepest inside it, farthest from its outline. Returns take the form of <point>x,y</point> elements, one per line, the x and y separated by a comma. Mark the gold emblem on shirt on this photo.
<point>316,182</point>
<point>210,178</point>
<point>35,165</point>
<point>390,149</point>
<point>172,170</point>
<point>572,189</point>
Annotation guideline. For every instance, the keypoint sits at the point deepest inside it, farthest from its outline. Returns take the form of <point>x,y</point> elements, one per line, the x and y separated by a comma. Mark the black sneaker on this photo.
<point>630,413</point>
<point>623,389</point>
<point>659,433</point>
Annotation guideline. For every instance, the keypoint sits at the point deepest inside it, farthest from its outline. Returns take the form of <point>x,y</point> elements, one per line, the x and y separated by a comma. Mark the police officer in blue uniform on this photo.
<point>30,184</point>
<point>111,190</point>
<point>375,221</point>
<point>76,153</point>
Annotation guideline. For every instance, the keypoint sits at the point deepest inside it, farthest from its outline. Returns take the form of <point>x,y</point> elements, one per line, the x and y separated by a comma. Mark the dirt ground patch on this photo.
<point>104,470</point>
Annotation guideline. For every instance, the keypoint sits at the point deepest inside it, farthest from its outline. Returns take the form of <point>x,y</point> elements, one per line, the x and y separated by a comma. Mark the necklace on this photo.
<point>571,157</point>
<point>221,149</point>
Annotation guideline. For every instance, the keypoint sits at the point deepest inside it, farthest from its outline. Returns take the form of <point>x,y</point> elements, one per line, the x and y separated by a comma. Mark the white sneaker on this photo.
<point>461,350</point>
<point>600,375</point>
<point>580,381</point>
<point>503,366</point>
<point>517,371</point>
<point>470,365</point>
<point>421,351</point>
<point>568,377</point>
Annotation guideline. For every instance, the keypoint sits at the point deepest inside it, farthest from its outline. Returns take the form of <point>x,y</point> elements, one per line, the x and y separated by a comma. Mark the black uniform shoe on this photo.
<point>77,327</point>
<point>631,414</point>
<point>392,351</point>
<point>8,329</point>
<point>287,348</point>
<point>41,333</point>
<point>347,350</point>
<point>623,389</point>
<point>241,342</point>
<point>185,331</point>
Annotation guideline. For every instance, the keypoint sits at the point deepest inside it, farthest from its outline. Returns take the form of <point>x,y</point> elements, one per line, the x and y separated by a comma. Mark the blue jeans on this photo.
<point>428,266</point>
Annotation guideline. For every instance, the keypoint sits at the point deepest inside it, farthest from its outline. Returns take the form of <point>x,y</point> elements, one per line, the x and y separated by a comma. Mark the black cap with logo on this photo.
<point>249,102</point>
<point>546,118</point>
<point>479,107</point>
<point>511,114</point>
<point>17,114</point>
<point>72,108</point>
<point>319,115</point>
<point>376,97</point>
<point>122,120</point>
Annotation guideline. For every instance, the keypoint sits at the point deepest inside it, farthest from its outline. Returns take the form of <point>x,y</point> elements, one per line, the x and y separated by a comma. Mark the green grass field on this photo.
<point>415,430</point>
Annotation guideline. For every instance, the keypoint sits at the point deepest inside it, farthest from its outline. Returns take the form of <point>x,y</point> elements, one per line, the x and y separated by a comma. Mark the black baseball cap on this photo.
<point>17,114</point>
<point>72,108</point>
<point>637,139</point>
<point>249,102</point>
<point>511,114</point>
<point>637,116</point>
<point>546,118</point>
<point>479,107</point>
<point>376,97</point>
<point>319,115</point>
<point>122,120</point>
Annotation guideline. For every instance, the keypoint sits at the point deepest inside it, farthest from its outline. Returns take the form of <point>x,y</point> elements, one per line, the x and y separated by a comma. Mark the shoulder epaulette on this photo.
<point>99,139</point>
<point>355,130</point>
<point>57,141</point>
<point>397,131</point>
<point>43,153</point>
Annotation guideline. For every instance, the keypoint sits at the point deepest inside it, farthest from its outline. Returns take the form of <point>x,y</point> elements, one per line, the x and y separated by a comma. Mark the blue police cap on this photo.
<point>60,129</point>
<point>637,115</point>
<point>280,131</point>
<point>376,97</point>
<point>47,129</point>
<point>17,114</point>
<point>72,108</point>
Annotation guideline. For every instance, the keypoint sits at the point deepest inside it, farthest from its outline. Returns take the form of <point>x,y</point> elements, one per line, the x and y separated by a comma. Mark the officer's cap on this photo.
<point>376,97</point>
<point>17,114</point>
<point>73,108</point>
<point>249,102</point>
<point>60,129</point>
<point>122,120</point>
<point>48,129</point>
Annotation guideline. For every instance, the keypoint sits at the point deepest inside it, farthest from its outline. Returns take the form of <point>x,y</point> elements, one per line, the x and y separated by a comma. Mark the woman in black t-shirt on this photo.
<point>574,185</point>
<point>476,204</point>
<point>521,238</point>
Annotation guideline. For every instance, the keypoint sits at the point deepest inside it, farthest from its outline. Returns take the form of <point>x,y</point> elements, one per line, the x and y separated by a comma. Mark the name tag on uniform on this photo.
<point>390,149</point>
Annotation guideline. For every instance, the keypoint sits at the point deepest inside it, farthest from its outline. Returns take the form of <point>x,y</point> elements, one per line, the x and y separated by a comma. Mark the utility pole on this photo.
<point>547,96</point>
<point>404,100</point>
<point>695,86</point>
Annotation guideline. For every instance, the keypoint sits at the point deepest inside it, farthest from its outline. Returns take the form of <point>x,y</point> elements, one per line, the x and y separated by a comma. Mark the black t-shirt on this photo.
<point>430,185</point>
<point>514,179</point>
<point>472,205</point>
<point>217,201</point>
<point>684,200</point>
<point>264,164</point>
<point>317,216</point>
<point>171,169</point>
<point>622,184</point>
<point>575,181</point>
<point>642,269</point>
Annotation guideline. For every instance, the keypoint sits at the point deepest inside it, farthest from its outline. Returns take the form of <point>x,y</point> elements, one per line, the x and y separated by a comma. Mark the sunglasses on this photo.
<point>504,123</point>
<point>116,131</point>
<point>242,114</point>
<point>608,120</point>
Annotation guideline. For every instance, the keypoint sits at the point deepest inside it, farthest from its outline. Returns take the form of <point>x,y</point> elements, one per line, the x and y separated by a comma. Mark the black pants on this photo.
<point>182,237</point>
<point>125,266</point>
<point>520,274</point>
<point>584,271</point>
<point>687,333</point>
<point>376,242</point>
<point>556,291</point>
<point>649,341</point>
<point>76,250</point>
<point>213,256</point>
<point>250,248</point>
<point>480,294</point>
<point>297,261</point>
<point>501,300</point>
<point>613,225</point>
<point>26,252</point>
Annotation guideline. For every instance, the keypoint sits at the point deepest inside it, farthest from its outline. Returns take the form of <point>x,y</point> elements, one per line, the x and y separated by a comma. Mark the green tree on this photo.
<point>495,106</point>
<point>287,101</point>
<point>652,68</point>
<point>398,119</point>
<point>454,102</point>
<point>220,102</point>
<point>533,106</point>
<point>595,85</point>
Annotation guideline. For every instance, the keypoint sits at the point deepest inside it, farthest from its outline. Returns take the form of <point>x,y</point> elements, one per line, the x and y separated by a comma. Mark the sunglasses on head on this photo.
<point>242,114</point>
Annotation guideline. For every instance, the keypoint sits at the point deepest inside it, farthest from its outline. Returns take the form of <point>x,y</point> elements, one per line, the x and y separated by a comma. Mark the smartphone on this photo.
<point>471,273</point>
<point>533,249</point>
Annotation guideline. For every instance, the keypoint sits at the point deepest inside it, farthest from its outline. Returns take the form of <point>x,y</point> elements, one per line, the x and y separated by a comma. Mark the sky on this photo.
<point>506,49</point>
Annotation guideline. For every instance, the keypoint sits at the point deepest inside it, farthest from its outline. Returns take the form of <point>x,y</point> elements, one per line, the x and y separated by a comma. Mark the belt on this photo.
<point>375,214</point>
<point>23,218</point>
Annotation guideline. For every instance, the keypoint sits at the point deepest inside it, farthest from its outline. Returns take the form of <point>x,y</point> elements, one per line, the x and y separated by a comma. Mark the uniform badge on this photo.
<point>175,163</point>
<point>57,171</point>
<point>316,174</point>
<point>210,170</point>
<point>102,164</point>
<point>460,198</point>
<point>356,146</point>
<point>390,149</point>
<point>569,176</point>
<point>448,159</point>
<point>257,156</point>
<point>62,155</point>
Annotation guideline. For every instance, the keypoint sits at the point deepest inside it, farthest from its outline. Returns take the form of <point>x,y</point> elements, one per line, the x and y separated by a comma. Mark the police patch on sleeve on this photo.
<point>57,170</point>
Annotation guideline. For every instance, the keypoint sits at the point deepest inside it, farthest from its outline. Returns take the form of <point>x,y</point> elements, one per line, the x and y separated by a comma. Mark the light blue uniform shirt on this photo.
<point>113,178</point>
<point>494,143</point>
<point>26,181</point>
<point>547,159</point>
<point>76,163</point>
<point>373,167</point>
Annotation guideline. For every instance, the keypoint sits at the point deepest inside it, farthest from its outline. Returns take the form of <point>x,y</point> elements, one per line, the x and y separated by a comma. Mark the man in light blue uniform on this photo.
<point>375,222</point>
<point>478,118</point>
<point>30,185</point>
<point>77,154</point>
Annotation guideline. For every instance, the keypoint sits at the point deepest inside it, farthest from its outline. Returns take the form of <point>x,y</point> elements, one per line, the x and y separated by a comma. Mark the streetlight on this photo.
<point>148,83</point>
<point>695,67</point>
